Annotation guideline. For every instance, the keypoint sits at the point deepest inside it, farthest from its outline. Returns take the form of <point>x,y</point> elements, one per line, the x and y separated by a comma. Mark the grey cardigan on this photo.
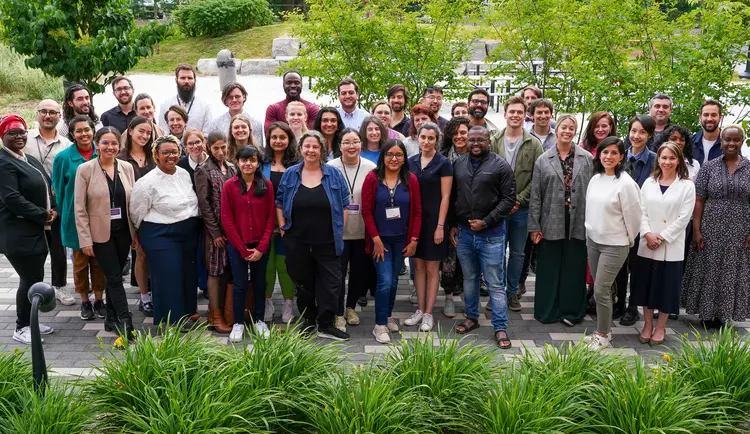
<point>546,203</point>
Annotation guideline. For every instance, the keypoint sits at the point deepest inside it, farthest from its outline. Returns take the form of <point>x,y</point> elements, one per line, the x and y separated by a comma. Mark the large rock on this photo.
<point>208,66</point>
<point>284,47</point>
<point>259,67</point>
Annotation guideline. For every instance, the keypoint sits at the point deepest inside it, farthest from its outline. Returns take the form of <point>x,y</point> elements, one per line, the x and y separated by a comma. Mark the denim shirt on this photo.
<point>336,190</point>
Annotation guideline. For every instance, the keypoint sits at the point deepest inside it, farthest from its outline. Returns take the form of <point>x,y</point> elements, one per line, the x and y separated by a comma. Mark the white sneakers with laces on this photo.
<point>237,331</point>
<point>64,296</point>
<point>597,342</point>
<point>261,330</point>
<point>268,317</point>
<point>427,323</point>
<point>415,319</point>
<point>381,334</point>
<point>23,335</point>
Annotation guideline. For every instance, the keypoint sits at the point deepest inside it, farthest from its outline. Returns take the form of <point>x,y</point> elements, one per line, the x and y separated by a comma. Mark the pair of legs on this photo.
<point>59,264</point>
<point>277,267</point>
<point>426,282</point>
<point>387,277</point>
<point>605,262</point>
<point>112,256</point>
<point>240,270</point>
<point>560,281</point>
<point>30,269</point>
<point>83,267</point>
<point>517,226</point>
<point>355,259</point>
<point>140,271</point>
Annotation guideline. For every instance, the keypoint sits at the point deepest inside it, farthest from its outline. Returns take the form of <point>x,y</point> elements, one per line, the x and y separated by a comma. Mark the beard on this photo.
<point>185,94</point>
<point>478,113</point>
<point>712,128</point>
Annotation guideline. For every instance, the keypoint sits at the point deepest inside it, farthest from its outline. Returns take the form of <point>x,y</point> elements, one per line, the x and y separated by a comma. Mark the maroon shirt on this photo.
<point>277,112</point>
<point>247,218</point>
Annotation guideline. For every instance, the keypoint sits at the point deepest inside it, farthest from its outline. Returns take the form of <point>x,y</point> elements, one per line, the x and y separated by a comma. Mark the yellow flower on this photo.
<point>119,343</point>
<point>667,358</point>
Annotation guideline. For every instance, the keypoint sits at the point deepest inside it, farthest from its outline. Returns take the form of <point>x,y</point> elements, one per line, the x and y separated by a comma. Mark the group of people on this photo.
<point>229,205</point>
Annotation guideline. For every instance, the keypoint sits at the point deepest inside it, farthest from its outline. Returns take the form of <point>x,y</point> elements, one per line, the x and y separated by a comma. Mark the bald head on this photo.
<point>48,114</point>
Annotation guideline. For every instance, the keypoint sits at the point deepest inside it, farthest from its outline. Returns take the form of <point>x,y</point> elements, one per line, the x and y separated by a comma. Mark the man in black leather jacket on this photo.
<point>484,192</point>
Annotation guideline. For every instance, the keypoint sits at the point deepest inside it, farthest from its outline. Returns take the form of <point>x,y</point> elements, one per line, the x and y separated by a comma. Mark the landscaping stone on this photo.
<point>208,66</point>
<point>259,67</point>
<point>285,47</point>
<point>478,51</point>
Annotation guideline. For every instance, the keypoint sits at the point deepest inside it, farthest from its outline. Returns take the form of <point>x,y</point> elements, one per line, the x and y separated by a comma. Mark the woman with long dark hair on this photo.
<point>600,126</point>
<point>373,135</point>
<point>280,154</point>
<point>248,215</point>
<point>392,211</point>
<point>329,123</point>
<point>681,136</point>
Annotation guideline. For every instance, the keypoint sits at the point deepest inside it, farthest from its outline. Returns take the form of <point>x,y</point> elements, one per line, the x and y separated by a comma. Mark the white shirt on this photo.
<point>37,147</point>
<point>693,170</point>
<point>412,147</point>
<point>666,214</point>
<point>164,199</point>
<point>613,210</point>
<point>199,112</point>
<point>707,144</point>
<point>221,124</point>
<point>354,177</point>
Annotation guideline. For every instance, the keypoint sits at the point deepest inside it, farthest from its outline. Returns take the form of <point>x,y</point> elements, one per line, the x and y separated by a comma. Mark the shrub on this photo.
<point>60,410</point>
<point>31,84</point>
<point>15,378</point>
<point>219,17</point>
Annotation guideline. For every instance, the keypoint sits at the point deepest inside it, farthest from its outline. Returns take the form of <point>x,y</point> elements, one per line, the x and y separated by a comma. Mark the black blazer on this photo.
<point>23,205</point>
<point>185,164</point>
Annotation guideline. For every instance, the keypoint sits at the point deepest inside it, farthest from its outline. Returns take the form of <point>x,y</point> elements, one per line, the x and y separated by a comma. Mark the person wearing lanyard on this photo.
<point>26,207</point>
<point>354,168</point>
<point>392,211</point>
<point>198,110</point>
<point>102,192</point>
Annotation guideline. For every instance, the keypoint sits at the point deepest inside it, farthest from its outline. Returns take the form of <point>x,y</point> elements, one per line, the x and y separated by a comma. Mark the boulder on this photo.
<point>259,67</point>
<point>284,47</point>
<point>207,67</point>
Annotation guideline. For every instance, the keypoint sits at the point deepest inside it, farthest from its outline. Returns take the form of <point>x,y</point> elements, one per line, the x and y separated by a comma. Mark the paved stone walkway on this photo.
<point>77,346</point>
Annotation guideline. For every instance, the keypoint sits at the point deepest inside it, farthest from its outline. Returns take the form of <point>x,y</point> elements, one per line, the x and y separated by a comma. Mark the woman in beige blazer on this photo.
<point>102,194</point>
<point>667,201</point>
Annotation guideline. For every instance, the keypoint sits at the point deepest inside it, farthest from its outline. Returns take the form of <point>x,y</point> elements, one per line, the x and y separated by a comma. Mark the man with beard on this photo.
<point>119,116</point>
<point>198,110</point>
<point>479,102</point>
<point>541,111</point>
<point>43,144</point>
<point>521,150</point>
<point>292,82</point>
<point>78,101</point>
<point>483,195</point>
<point>397,96</point>
<point>707,143</point>
<point>348,97</point>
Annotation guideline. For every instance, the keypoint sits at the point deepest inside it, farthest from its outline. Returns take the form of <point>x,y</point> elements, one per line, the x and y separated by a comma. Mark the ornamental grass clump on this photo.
<point>719,363</point>
<point>15,378</point>
<point>61,409</point>
<point>452,378</point>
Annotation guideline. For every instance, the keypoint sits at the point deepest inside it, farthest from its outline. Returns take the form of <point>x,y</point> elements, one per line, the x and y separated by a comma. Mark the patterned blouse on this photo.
<point>567,170</point>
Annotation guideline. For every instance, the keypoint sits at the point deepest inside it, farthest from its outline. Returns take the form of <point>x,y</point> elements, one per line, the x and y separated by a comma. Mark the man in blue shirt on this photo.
<point>349,97</point>
<point>707,143</point>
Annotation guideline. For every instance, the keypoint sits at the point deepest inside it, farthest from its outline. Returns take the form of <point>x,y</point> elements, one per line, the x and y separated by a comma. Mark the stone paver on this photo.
<point>77,346</point>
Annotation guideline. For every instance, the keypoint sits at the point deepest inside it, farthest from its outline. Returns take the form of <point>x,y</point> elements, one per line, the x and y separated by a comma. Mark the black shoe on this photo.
<point>87,311</point>
<point>617,312</point>
<point>674,316</point>
<point>521,288</point>
<point>403,270</point>
<point>126,268</point>
<point>332,333</point>
<point>308,327</point>
<point>458,290</point>
<point>362,301</point>
<point>146,308</point>
<point>483,291</point>
<point>513,303</point>
<point>630,316</point>
<point>99,309</point>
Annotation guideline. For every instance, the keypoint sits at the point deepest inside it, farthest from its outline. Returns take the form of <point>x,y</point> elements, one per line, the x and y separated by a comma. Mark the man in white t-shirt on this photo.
<point>707,143</point>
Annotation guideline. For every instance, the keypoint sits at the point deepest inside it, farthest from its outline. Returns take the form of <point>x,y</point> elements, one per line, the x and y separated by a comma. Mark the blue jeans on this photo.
<point>516,233</point>
<point>387,277</point>
<point>483,256</point>
<point>240,277</point>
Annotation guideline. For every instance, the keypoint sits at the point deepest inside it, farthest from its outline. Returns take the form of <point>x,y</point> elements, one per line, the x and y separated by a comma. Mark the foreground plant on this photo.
<point>15,377</point>
<point>58,411</point>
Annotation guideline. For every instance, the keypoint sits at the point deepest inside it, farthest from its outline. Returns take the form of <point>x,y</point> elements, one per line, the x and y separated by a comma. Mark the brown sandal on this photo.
<point>467,325</point>
<point>502,342</point>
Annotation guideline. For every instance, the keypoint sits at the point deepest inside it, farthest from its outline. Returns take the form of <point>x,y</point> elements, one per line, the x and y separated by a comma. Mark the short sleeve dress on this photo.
<point>429,184</point>
<point>716,283</point>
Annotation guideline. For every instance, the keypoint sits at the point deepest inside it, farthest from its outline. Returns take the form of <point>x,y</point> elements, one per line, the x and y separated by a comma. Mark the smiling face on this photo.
<point>460,139</point>
<point>710,118</point>
<point>565,131</point>
<point>296,117</point>
<point>348,97</point>
<point>660,110</point>
<point>15,139</point>
<point>48,114</point>
<point>427,140</point>
<point>329,123</point>
<point>638,135</point>
<point>731,142</point>
<point>676,137</point>
<point>433,100</point>
<point>235,100</point>
<point>667,162</point>
<point>394,158</point>
<point>83,134</point>
<point>479,142</point>
<point>167,156</point>
<point>311,150</point>
<point>351,146</point>
<point>219,150</point>
<point>515,115</point>
<point>194,146</point>
<point>602,130</point>
<point>373,133</point>
<point>461,112</point>
<point>478,106</point>
<point>279,140</point>
<point>383,112</point>
<point>542,115</point>
<point>240,130</point>
<point>123,92</point>
<point>108,146</point>
<point>398,101</point>
<point>248,166</point>
<point>141,134</point>
<point>175,123</point>
<point>529,96</point>
<point>145,108</point>
<point>81,102</point>
<point>292,85</point>
<point>610,157</point>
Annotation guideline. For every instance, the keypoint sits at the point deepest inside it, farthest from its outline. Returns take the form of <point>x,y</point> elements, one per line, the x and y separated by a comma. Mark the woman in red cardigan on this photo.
<point>248,214</point>
<point>392,211</point>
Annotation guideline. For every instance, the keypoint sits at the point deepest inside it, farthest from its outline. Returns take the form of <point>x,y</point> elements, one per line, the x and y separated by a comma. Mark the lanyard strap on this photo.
<point>190,106</point>
<point>112,189</point>
<point>351,184</point>
<point>392,191</point>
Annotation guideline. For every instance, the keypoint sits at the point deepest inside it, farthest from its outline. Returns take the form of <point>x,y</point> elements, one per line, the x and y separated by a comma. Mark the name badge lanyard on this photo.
<point>392,193</point>
<point>354,181</point>
<point>112,188</point>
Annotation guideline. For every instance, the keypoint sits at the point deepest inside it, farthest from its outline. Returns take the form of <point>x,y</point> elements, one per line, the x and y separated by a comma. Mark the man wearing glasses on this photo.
<point>43,143</point>
<point>119,116</point>
<point>479,102</point>
<point>432,98</point>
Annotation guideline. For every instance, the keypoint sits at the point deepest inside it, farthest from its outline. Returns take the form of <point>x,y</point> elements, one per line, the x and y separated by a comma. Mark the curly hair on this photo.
<point>450,130</point>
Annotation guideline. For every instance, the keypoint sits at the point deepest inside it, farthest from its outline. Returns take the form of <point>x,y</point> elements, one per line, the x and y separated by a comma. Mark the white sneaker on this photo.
<point>261,330</point>
<point>45,329</point>
<point>23,336</point>
<point>237,331</point>
<point>413,296</point>
<point>599,342</point>
<point>392,325</point>
<point>268,317</point>
<point>287,312</point>
<point>64,296</point>
<point>427,323</point>
<point>415,319</point>
<point>340,323</point>
<point>381,334</point>
<point>351,316</point>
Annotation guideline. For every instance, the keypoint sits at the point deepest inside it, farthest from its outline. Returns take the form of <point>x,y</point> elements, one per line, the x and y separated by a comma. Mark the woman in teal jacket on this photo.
<point>64,169</point>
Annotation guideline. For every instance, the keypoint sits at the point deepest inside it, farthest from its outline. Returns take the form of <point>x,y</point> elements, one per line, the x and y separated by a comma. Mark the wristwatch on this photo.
<point>484,224</point>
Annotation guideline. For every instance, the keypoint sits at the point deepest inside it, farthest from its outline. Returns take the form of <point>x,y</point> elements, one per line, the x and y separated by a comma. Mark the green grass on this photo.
<point>21,88</point>
<point>247,44</point>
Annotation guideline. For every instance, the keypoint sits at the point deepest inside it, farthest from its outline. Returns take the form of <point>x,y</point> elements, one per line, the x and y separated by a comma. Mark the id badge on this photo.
<point>393,213</point>
<point>115,214</point>
<point>353,208</point>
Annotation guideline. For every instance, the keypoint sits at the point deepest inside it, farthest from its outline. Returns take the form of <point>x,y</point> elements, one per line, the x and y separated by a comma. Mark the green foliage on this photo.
<point>32,84</point>
<point>61,410</point>
<point>83,40</point>
<point>15,378</point>
<point>380,43</point>
<point>219,17</point>
<point>615,56</point>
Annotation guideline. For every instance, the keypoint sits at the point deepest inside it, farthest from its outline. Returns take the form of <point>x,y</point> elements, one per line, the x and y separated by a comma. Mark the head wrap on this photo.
<point>11,122</point>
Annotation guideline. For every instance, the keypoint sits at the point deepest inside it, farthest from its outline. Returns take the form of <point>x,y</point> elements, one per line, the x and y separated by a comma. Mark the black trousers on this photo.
<point>30,269</point>
<point>621,281</point>
<point>111,257</point>
<point>316,270</point>
<point>57,255</point>
<point>529,257</point>
<point>356,259</point>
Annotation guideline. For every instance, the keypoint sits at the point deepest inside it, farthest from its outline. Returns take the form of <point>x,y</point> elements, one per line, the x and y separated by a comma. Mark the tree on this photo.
<point>380,43</point>
<point>81,40</point>
<point>614,56</point>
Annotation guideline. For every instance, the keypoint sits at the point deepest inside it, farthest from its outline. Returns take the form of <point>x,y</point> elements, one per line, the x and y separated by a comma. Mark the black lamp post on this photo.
<point>42,297</point>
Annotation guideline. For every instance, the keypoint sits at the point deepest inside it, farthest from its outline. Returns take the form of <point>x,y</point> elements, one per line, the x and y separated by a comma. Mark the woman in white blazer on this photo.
<point>667,201</point>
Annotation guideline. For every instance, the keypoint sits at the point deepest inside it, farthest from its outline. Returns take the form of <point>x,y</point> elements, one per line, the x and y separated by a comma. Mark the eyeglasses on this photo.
<point>194,144</point>
<point>482,140</point>
<point>123,89</point>
<point>433,98</point>
<point>17,133</point>
<point>390,156</point>
<point>479,102</point>
<point>44,112</point>
<point>356,143</point>
<point>234,97</point>
<point>169,153</point>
